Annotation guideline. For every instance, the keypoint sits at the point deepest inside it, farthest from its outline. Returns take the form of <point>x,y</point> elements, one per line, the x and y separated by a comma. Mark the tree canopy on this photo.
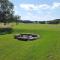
<point>6,11</point>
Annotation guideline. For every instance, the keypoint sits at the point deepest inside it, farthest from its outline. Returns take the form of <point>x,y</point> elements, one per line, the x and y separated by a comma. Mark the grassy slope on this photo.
<point>45,48</point>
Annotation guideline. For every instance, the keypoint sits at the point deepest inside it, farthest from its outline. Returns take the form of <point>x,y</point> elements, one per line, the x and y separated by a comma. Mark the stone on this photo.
<point>26,37</point>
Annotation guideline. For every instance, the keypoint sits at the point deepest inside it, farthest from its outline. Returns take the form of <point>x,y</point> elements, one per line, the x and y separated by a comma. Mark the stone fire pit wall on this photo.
<point>26,37</point>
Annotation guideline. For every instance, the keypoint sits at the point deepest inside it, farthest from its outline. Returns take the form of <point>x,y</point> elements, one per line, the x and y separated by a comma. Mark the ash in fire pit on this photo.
<point>26,37</point>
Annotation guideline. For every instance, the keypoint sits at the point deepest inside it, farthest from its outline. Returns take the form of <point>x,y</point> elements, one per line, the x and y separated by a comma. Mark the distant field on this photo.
<point>45,48</point>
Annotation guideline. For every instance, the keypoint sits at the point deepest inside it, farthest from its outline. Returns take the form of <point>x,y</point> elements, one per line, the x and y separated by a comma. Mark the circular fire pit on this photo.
<point>26,37</point>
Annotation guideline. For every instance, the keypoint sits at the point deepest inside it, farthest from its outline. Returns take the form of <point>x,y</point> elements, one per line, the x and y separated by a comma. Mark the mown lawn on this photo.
<point>45,48</point>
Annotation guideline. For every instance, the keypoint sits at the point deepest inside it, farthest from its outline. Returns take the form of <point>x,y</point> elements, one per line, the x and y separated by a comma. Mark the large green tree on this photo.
<point>6,11</point>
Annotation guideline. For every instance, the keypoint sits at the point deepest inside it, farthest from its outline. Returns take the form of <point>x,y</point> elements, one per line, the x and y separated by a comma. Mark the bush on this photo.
<point>5,30</point>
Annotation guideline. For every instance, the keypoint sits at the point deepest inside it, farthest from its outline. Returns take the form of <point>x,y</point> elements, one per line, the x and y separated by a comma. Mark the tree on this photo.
<point>17,19</point>
<point>55,21</point>
<point>6,11</point>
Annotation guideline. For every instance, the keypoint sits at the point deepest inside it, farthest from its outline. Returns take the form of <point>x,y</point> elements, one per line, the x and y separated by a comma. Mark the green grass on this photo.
<point>45,48</point>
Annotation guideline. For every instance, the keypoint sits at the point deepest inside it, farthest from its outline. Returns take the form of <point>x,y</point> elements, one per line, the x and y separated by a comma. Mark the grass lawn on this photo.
<point>45,48</point>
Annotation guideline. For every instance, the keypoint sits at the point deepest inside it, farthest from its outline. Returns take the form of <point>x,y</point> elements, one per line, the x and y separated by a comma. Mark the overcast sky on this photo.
<point>37,9</point>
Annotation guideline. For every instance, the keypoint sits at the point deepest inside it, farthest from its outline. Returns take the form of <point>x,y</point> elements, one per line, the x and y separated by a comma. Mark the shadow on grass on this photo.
<point>4,31</point>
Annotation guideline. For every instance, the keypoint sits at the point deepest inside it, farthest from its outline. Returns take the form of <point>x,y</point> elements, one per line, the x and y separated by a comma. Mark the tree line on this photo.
<point>56,21</point>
